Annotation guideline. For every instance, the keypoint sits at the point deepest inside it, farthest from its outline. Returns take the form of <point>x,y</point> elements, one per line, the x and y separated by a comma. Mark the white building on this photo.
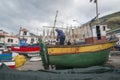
<point>88,34</point>
<point>95,34</point>
<point>29,37</point>
<point>7,39</point>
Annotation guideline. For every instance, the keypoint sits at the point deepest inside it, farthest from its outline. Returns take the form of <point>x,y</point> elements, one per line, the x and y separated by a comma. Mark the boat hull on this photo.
<point>25,49</point>
<point>75,56</point>
<point>80,60</point>
<point>10,64</point>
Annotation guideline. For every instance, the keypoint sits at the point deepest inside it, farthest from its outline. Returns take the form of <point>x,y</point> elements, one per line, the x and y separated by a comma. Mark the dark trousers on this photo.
<point>62,39</point>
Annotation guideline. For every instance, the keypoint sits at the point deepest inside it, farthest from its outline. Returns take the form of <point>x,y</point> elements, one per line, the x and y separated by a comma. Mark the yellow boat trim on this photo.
<point>78,49</point>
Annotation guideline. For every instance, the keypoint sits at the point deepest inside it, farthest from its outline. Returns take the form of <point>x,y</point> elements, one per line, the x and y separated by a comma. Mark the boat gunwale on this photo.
<point>81,45</point>
<point>78,52</point>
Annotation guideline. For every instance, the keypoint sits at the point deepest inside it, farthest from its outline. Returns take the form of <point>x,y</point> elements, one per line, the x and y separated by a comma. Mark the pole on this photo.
<point>55,24</point>
<point>97,14</point>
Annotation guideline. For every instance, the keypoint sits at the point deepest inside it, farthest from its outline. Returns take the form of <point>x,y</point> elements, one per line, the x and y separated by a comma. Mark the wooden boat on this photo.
<point>10,64</point>
<point>76,55</point>
<point>25,49</point>
<point>6,58</point>
<point>12,60</point>
<point>94,52</point>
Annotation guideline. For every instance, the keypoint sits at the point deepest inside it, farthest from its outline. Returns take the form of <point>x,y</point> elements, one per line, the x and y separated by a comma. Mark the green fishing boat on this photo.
<point>94,52</point>
<point>75,56</point>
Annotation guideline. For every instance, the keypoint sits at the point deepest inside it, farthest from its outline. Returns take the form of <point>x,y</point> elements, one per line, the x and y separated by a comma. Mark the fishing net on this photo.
<point>91,73</point>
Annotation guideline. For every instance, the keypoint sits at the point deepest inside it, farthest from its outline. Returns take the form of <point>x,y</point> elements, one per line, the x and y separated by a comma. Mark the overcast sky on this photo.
<point>34,14</point>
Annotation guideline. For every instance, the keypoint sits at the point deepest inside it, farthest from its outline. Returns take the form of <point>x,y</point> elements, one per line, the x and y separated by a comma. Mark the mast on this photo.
<point>97,14</point>
<point>55,24</point>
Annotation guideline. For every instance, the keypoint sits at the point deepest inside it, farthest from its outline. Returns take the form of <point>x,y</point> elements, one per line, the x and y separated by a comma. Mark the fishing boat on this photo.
<point>94,52</point>
<point>25,49</point>
<point>12,60</point>
<point>6,58</point>
<point>28,51</point>
<point>78,55</point>
<point>10,64</point>
<point>28,43</point>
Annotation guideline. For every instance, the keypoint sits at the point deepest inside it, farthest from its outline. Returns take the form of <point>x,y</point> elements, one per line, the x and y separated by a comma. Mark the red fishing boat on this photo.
<point>25,49</point>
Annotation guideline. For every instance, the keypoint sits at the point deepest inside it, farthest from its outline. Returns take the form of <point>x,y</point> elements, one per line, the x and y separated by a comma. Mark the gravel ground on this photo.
<point>32,65</point>
<point>114,61</point>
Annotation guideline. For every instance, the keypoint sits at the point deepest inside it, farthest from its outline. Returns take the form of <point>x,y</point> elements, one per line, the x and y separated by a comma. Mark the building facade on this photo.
<point>7,39</point>
<point>29,37</point>
<point>95,34</point>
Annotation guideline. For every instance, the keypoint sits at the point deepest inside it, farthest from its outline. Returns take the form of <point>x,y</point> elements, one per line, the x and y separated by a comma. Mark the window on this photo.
<point>25,33</point>
<point>104,28</point>
<point>32,40</point>
<point>10,40</point>
<point>98,32</point>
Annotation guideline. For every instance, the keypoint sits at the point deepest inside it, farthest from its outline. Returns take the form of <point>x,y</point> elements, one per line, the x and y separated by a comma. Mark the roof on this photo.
<point>3,32</point>
<point>24,29</point>
<point>114,31</point>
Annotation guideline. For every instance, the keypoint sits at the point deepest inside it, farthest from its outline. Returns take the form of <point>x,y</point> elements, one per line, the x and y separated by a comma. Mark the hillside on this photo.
<point>112,20</point>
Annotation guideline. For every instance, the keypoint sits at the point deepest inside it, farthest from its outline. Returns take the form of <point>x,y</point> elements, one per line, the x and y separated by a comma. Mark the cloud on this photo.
<point>38,13</point>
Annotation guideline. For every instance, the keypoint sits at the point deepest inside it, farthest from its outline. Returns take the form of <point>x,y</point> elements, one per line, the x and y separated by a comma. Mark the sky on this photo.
<point>34,14</point>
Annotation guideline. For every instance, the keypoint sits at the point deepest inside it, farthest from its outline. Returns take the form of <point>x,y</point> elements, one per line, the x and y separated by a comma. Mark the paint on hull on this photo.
<point>80,60</point>
<point>76,55</point>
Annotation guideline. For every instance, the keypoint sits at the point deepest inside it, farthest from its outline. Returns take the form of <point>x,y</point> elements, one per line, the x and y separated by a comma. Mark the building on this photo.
<point>30,38</point>
<point>95,34</point>
<point>115,32</point>
<point>88,34</point>
<point>7,39</point>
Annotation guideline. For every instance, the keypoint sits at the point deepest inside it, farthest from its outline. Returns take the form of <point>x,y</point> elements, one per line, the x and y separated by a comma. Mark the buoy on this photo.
<point>19,60</point>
